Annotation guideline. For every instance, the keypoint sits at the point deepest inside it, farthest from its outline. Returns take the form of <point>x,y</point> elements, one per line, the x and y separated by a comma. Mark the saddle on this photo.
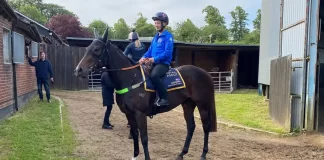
<point>147,68</point>
<point>172,81</point>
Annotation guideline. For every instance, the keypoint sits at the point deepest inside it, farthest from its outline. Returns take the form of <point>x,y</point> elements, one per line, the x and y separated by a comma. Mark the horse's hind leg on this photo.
<point>188,110</point>
<point>204,115</point>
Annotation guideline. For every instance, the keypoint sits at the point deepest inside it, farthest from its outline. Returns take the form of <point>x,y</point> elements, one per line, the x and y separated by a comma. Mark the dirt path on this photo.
<point>167,134</point>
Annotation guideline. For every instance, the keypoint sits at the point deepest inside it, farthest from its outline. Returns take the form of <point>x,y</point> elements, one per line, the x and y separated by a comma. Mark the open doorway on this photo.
<point>248,64</point>
<point>319,115</point>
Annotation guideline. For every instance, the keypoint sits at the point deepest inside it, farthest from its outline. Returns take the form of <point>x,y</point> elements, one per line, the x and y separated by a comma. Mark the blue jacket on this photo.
<point>42,68</point>
<point>161,48</point>
<point>136,53</point>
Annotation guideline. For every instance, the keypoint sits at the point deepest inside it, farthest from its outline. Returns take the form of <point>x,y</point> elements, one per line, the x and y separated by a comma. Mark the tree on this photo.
<point>186,31</point>
<point>257,21</point>
<point>100,27</point>
<point>33,13</point>
<point>213,16</point>
<point>213,32</point>
<point>121,29</point>
<point>67,26</point>
<point>239,25</point>
<point>16,4</point>
<point>143,28</point>
<point>50,10</point>
<point>169,29</point>
<point>254,36</point>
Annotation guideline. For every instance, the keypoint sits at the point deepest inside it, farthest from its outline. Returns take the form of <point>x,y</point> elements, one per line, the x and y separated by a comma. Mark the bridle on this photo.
<point>101,59</point>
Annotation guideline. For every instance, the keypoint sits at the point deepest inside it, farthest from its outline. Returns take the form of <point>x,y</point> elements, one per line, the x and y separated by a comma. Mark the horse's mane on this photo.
<point>119,51</point>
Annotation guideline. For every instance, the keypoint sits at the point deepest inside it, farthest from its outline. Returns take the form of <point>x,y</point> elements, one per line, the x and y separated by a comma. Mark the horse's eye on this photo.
<point>96,50</point>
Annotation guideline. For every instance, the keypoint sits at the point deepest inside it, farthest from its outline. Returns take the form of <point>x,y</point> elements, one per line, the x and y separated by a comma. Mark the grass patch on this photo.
<point>35,133</point>
<point>247,108</point>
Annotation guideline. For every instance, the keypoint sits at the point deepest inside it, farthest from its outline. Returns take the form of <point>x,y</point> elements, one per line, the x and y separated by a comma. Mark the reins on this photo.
<point>120,69</point>
<point>111,70</point>
<point>104,69</point>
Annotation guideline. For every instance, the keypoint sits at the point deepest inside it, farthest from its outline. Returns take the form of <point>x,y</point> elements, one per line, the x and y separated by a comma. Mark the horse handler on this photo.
<point>107,92</point>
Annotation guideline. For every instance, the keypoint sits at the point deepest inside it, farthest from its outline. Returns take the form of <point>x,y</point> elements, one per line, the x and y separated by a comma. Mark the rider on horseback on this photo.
<point>160,55</point>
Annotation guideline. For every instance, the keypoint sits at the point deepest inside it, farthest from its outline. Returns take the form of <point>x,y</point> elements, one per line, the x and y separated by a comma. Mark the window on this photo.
<point>6,44</point>
<point>18,48</point>
<point>34,49</point>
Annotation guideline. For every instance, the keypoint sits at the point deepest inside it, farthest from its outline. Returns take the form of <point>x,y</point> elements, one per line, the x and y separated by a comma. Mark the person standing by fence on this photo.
<point>107,92</point>
<point>43,69</point>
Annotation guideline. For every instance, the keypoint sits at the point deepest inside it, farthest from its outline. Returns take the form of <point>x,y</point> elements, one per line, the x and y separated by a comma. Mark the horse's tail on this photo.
<point>213,117</point>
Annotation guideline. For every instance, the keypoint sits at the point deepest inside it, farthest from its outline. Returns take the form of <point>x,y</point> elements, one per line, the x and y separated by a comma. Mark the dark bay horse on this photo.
<point>137,103</point>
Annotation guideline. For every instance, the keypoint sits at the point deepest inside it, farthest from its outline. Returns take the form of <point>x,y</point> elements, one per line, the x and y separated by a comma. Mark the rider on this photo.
<point>160,55</point>
<point>135,49</point>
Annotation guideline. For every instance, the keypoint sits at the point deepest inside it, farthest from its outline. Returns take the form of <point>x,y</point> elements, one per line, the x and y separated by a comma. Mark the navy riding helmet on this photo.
<point>133,36</point>
<point>161,16</point>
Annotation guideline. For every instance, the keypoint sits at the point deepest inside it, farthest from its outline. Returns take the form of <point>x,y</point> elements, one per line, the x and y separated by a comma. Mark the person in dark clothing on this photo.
<point>43,68</point>
<point>135,49</point>
<point>107,91</point>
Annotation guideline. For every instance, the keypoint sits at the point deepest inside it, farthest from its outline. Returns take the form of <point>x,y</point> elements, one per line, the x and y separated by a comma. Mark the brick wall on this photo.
<point>26,80</point>
<point>6,88</point>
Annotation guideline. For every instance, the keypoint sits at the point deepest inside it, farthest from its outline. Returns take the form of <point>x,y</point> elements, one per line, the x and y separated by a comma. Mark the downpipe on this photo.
<point>14,73</point>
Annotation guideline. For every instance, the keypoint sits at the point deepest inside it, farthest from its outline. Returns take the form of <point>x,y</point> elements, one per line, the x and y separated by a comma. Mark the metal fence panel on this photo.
<point>223,81</point>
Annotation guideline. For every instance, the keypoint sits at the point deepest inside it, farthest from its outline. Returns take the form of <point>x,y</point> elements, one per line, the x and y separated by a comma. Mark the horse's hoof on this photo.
<point>130,136</point>
<point>134,158</point>
<point>202,158</point>
<point>179,157</point>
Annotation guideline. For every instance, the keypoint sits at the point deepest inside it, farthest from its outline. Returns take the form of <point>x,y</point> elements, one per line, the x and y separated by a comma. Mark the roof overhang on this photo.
<point>7,11</point>
<point>29,29</point>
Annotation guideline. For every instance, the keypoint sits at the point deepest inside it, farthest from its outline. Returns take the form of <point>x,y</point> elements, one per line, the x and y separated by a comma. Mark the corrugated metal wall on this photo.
<point>293,42</point>
<point>269,38</point>
<point>293,33</point>
<point>293,38</point>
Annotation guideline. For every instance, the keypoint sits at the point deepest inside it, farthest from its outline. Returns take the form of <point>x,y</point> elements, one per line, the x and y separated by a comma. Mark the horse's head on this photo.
<point>95,56</point>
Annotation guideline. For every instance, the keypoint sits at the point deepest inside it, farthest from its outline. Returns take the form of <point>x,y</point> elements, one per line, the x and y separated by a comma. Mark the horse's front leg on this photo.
<point>134,132</point>
<point>141,120</point>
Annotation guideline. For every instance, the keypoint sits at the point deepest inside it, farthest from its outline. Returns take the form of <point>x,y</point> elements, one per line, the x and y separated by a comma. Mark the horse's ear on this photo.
<point>95,33</point>
<point>105,35</point>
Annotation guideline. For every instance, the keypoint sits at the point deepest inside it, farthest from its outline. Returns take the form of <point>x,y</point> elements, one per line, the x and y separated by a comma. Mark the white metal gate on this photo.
<point>94,81</point>
<point>223,81</point>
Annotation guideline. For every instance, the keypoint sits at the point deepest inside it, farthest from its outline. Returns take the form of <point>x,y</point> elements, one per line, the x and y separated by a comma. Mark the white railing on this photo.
<point>94,81</point>
<point>222,81</point>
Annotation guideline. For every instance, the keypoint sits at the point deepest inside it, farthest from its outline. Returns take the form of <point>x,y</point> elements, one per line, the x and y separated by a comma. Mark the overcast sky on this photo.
<point>178,10</point>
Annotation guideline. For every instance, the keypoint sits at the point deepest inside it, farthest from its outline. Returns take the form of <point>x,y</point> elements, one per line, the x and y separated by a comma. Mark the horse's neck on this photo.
<point>123,78</point>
